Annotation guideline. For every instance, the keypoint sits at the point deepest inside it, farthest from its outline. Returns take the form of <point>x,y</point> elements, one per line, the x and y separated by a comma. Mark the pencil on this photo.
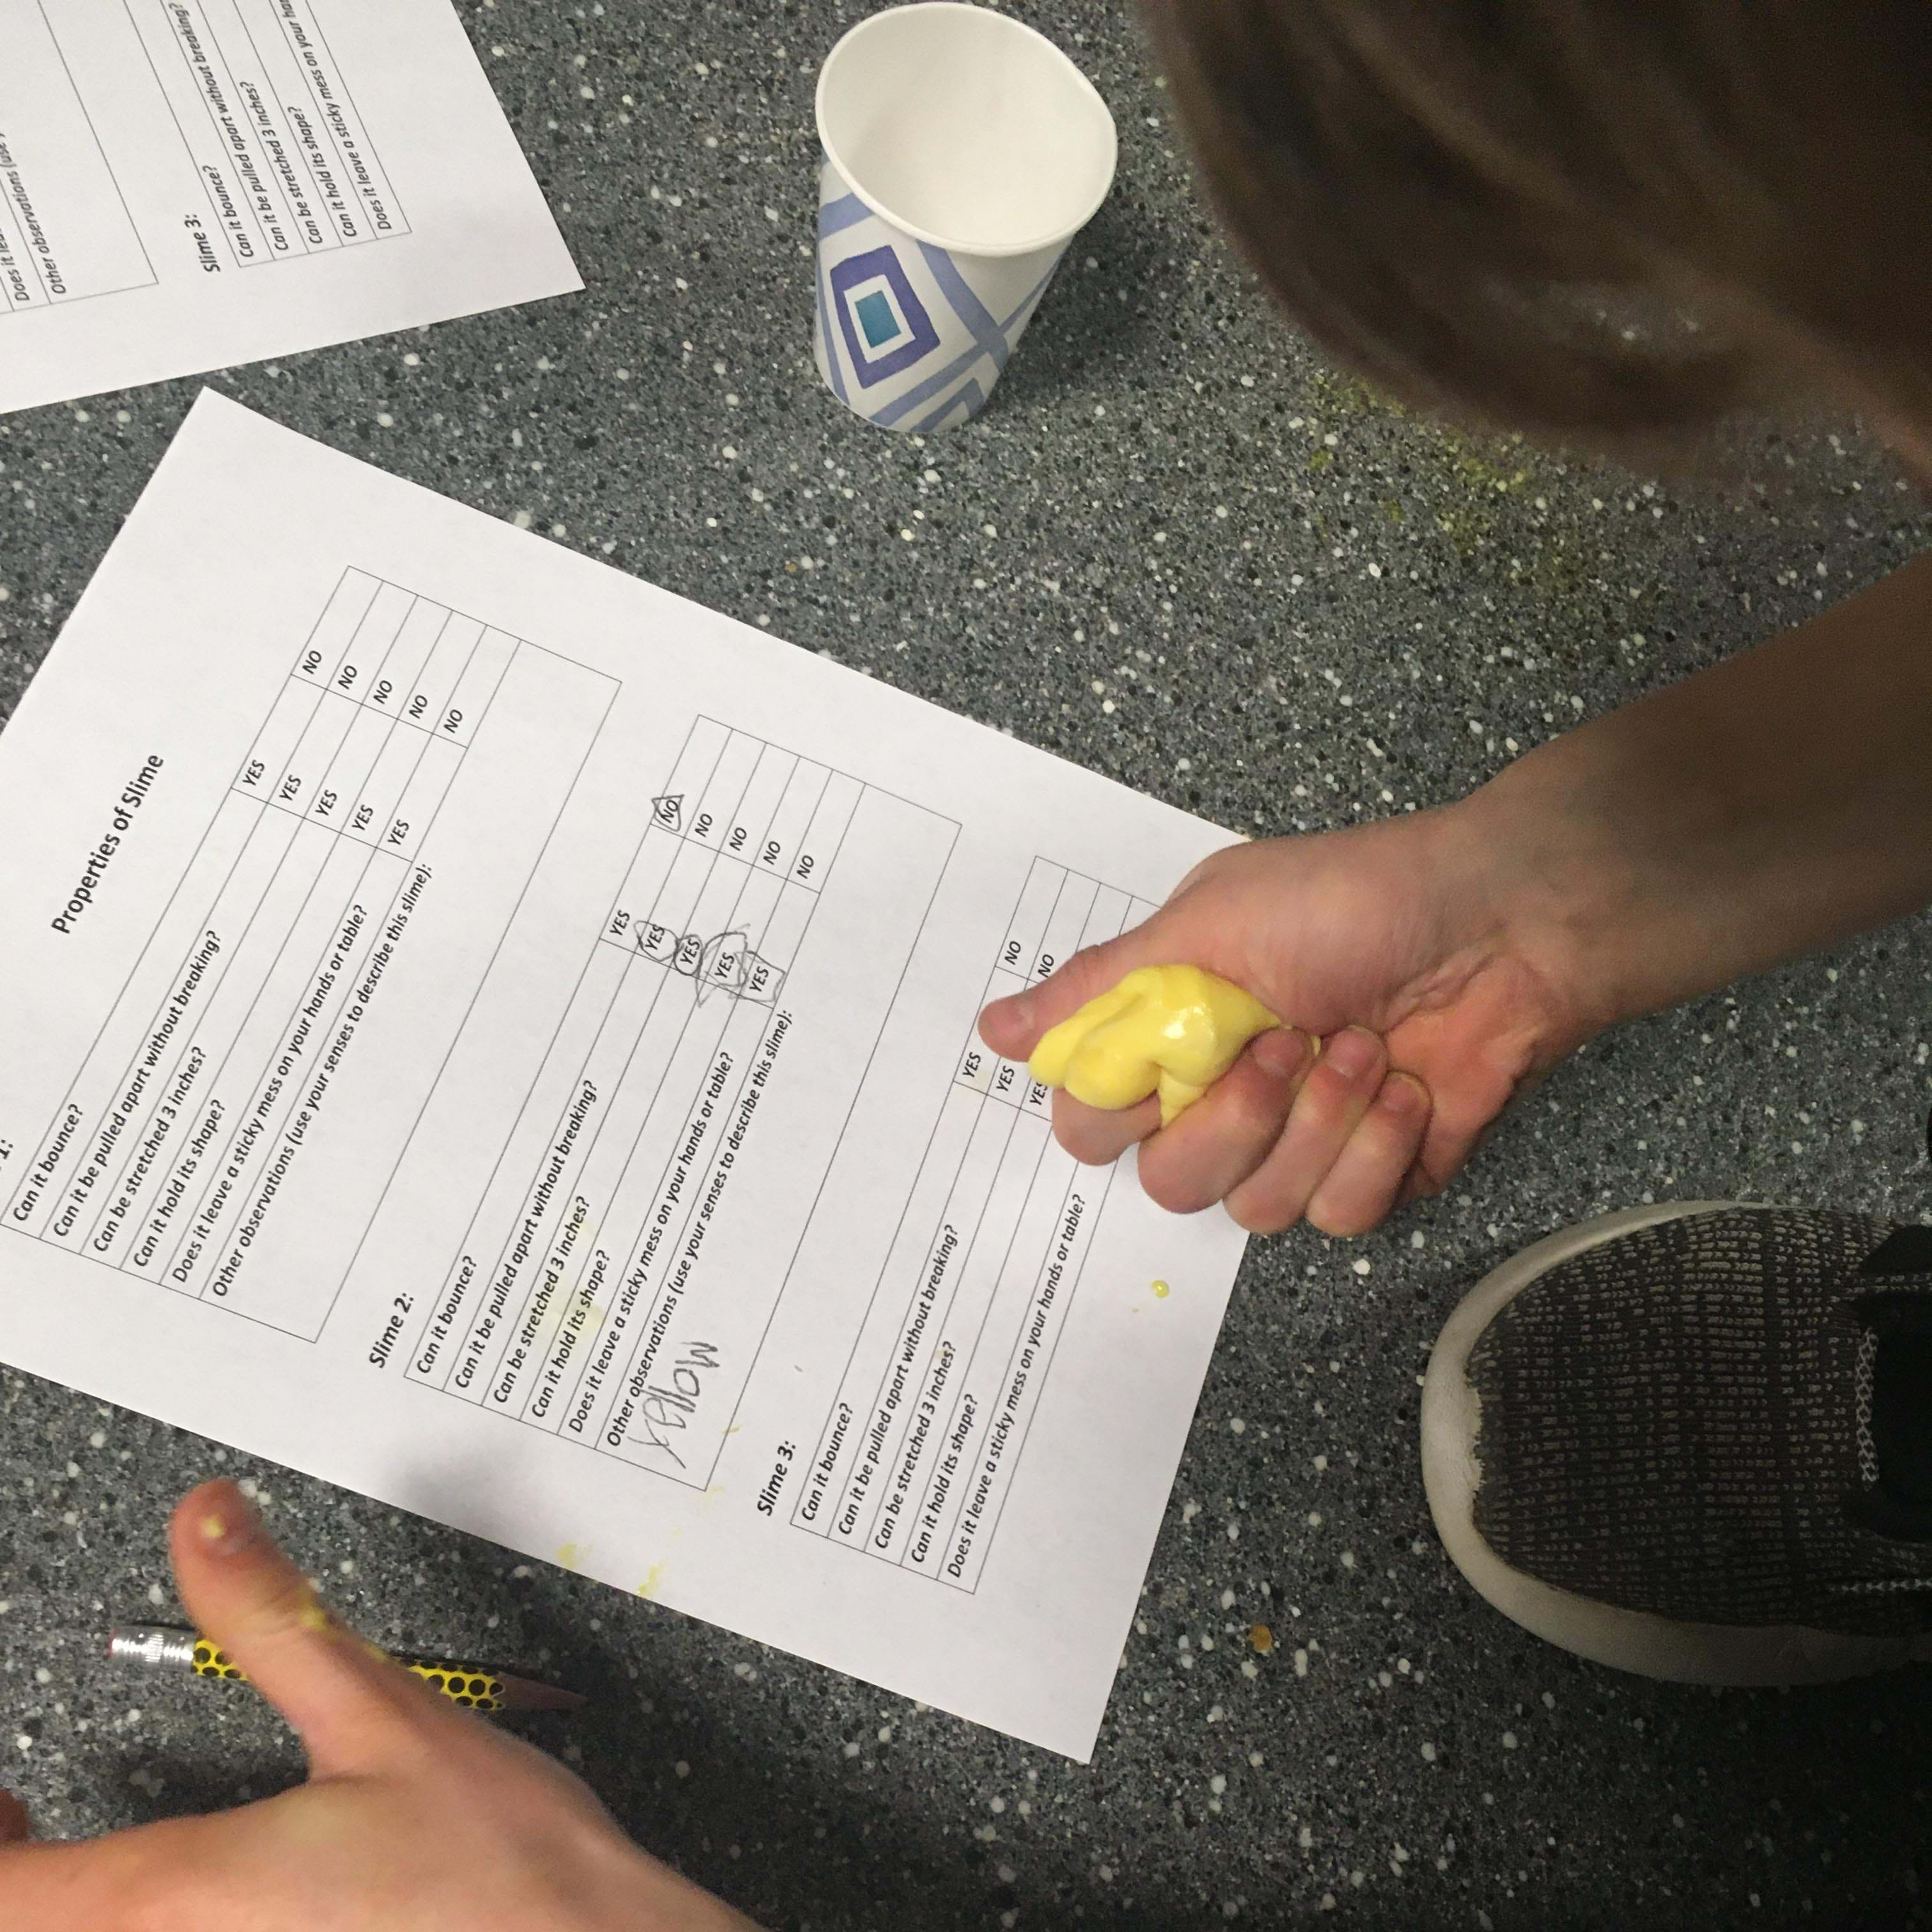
<point>479,1686</point>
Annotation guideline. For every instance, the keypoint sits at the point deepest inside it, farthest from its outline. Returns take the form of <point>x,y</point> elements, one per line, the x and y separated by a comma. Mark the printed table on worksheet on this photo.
<point>191,185</point>
<point>264,112</point>
<point>266,122</point>
<point>65,233</point>
<point>919,1451</point>
<point>597,1295</point>
<point>204,1117</point>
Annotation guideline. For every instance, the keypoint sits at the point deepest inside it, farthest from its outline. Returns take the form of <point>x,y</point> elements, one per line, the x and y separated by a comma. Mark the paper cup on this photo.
<point>964,151</point>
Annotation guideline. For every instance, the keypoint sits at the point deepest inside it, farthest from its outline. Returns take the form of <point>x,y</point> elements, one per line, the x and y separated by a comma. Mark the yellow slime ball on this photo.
<point>1170,1030</point>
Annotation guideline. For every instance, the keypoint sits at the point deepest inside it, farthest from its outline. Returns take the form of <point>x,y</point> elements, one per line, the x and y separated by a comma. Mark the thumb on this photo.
<point>1013,1026</point>
<point>353,1709</point>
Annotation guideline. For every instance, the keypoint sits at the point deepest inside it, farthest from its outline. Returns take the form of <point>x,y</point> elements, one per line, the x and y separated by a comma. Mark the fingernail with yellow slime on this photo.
<point>1170,1030</point>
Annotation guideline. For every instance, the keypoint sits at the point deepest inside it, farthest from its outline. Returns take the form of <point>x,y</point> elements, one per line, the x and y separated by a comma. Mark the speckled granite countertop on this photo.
<point>1181,550</point>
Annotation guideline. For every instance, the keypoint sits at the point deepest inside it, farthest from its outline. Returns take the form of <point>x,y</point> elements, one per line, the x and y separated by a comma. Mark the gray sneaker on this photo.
<point>1696,1441</point>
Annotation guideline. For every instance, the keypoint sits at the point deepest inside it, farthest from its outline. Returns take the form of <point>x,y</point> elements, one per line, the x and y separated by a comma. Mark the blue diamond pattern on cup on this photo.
<point>876,277</point>
<point>876,319</point>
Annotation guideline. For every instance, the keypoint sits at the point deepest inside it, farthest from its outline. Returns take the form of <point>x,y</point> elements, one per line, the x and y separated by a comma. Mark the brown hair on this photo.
<point>1599,219</point>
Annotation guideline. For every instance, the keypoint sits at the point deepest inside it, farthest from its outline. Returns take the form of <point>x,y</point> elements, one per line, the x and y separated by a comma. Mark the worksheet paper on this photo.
<point>496,1036</point>
<point>188,184</point>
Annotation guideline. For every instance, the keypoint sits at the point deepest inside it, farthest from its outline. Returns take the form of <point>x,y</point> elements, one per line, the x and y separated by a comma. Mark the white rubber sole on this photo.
<point>1633,1640</point>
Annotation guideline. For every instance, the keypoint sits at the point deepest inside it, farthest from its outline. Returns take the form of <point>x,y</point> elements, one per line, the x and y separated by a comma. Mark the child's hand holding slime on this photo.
<point>1418,980</point>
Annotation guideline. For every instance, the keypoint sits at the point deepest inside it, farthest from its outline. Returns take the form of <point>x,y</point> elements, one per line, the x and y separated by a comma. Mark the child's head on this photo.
<point>1610,219</point>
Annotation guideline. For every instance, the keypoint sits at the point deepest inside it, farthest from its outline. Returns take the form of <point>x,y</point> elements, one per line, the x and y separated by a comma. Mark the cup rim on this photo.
<point>1056,236</point>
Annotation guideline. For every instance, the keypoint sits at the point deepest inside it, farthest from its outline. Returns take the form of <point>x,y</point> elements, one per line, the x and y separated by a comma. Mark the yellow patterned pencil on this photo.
<point>480,1686</point>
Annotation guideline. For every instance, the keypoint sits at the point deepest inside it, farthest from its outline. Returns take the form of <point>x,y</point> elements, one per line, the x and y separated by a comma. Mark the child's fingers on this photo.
<point>1467,1112</point>
<point>1362,1188</point>
<point>1098,1136</point>
<point>1337,1093</point>
<point>1418,1184</point>
<point>1219,1140</point>
<point>351,1707</point>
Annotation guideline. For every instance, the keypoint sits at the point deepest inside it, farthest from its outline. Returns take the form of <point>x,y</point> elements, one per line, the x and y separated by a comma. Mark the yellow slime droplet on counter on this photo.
<point>1170,1030</point>
<point>1160,1291</point>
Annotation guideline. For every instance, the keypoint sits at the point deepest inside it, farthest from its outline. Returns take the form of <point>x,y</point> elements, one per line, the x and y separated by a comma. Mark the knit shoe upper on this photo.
<point>1680,1421</point>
